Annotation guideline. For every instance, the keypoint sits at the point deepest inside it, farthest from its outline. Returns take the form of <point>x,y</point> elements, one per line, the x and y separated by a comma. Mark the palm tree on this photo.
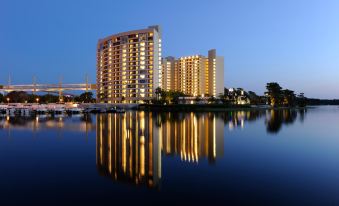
<point>86,97</point>
<point>158,92</point>
<point>1,97</point>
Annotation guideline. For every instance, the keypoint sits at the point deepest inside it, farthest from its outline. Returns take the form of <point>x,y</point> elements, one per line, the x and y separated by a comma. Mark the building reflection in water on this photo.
<point>129,146</point>
<point>193,136</point>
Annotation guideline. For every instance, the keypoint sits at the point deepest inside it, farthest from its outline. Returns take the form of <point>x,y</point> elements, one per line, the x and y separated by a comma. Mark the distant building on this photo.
<point>129,66</point>
<point>238,96</point>
<point>194,75</point>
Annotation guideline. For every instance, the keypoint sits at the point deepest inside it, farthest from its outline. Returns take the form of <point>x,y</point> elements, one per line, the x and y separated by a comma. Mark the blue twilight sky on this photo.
<point>293,42</point>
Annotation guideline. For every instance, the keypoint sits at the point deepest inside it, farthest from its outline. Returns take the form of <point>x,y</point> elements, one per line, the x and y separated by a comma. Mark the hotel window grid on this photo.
<point>128,68</point>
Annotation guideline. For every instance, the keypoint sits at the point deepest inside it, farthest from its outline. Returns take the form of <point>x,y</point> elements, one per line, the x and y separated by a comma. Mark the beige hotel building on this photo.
<point>195,75</point>
<point>129,66</point>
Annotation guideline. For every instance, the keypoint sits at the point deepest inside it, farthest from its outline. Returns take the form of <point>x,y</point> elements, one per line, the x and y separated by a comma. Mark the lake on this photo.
<point>256,157</point>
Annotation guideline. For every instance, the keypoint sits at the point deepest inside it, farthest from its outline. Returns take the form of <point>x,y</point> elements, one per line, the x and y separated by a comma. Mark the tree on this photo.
<point>174,96</point>
<point>240,92</point>
<point>225,91</point>
<point>197,99</point>
<point>103,95</point>
<point>86,97</point>
<point>211,100</point>
<point>49,98</point>
<point>17,96</point>
<point>289,97</point>
<point>164,97</point>
<point>254,98</point>
<point>2,99</point>
<point>221,96</point>
<point>158,92</point>
<point>274,94</point>
<point>302,100</point>
<point>68,98</point>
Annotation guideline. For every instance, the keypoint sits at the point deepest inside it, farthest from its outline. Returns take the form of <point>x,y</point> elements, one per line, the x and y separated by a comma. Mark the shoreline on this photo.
<point>209,108</point>
<point>175,107</point>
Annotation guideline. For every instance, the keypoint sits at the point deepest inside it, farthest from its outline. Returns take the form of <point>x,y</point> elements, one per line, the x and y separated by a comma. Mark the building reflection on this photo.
<point>193,136</point>
<point>237,119</point>
<point>129,146</point>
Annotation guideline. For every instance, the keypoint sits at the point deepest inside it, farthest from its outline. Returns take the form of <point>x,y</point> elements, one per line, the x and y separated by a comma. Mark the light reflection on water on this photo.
<point>154,150</point>
<point>129,146</point>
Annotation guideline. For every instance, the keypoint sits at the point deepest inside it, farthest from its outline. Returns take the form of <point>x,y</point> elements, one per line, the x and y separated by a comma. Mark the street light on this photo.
<point>8,100</point>
<point>37,100</point>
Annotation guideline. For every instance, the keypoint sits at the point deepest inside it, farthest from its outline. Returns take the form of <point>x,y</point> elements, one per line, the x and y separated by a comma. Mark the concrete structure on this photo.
<point>129,66</point>
<point>194,75</point>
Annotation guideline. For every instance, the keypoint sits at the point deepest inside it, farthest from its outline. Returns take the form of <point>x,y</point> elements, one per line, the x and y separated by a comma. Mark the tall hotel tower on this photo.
<point>195,75</point>
<point>129,66</point>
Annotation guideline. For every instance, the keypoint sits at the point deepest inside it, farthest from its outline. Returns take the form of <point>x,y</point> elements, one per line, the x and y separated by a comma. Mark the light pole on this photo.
<point>8,100</point>
<point>37,100</point>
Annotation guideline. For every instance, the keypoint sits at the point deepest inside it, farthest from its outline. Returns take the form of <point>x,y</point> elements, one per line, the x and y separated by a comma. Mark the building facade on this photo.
<point>194,75</point>
<point>169,74</point>
<point>129,66</point>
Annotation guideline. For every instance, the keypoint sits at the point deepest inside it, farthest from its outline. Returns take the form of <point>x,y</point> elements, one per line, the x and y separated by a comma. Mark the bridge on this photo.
<point>53,88</point>
<point>47,87</point>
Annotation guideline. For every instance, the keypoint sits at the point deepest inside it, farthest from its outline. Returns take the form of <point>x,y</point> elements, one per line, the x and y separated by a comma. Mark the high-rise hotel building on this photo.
<point>129,66</point>
<point>169,74</point>
<point>195,75</point>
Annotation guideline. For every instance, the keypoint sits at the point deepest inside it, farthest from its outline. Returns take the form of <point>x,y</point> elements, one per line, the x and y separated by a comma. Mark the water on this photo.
<point>284,157</point>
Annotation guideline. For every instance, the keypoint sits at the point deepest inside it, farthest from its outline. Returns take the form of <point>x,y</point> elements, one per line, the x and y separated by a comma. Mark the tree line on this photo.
<point>277,96</point>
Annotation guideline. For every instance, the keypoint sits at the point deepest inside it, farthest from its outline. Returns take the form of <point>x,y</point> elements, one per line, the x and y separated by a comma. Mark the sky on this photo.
<point>292,42</point>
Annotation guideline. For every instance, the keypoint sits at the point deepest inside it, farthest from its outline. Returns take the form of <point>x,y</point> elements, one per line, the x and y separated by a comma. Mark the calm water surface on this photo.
<point>285,157</point>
